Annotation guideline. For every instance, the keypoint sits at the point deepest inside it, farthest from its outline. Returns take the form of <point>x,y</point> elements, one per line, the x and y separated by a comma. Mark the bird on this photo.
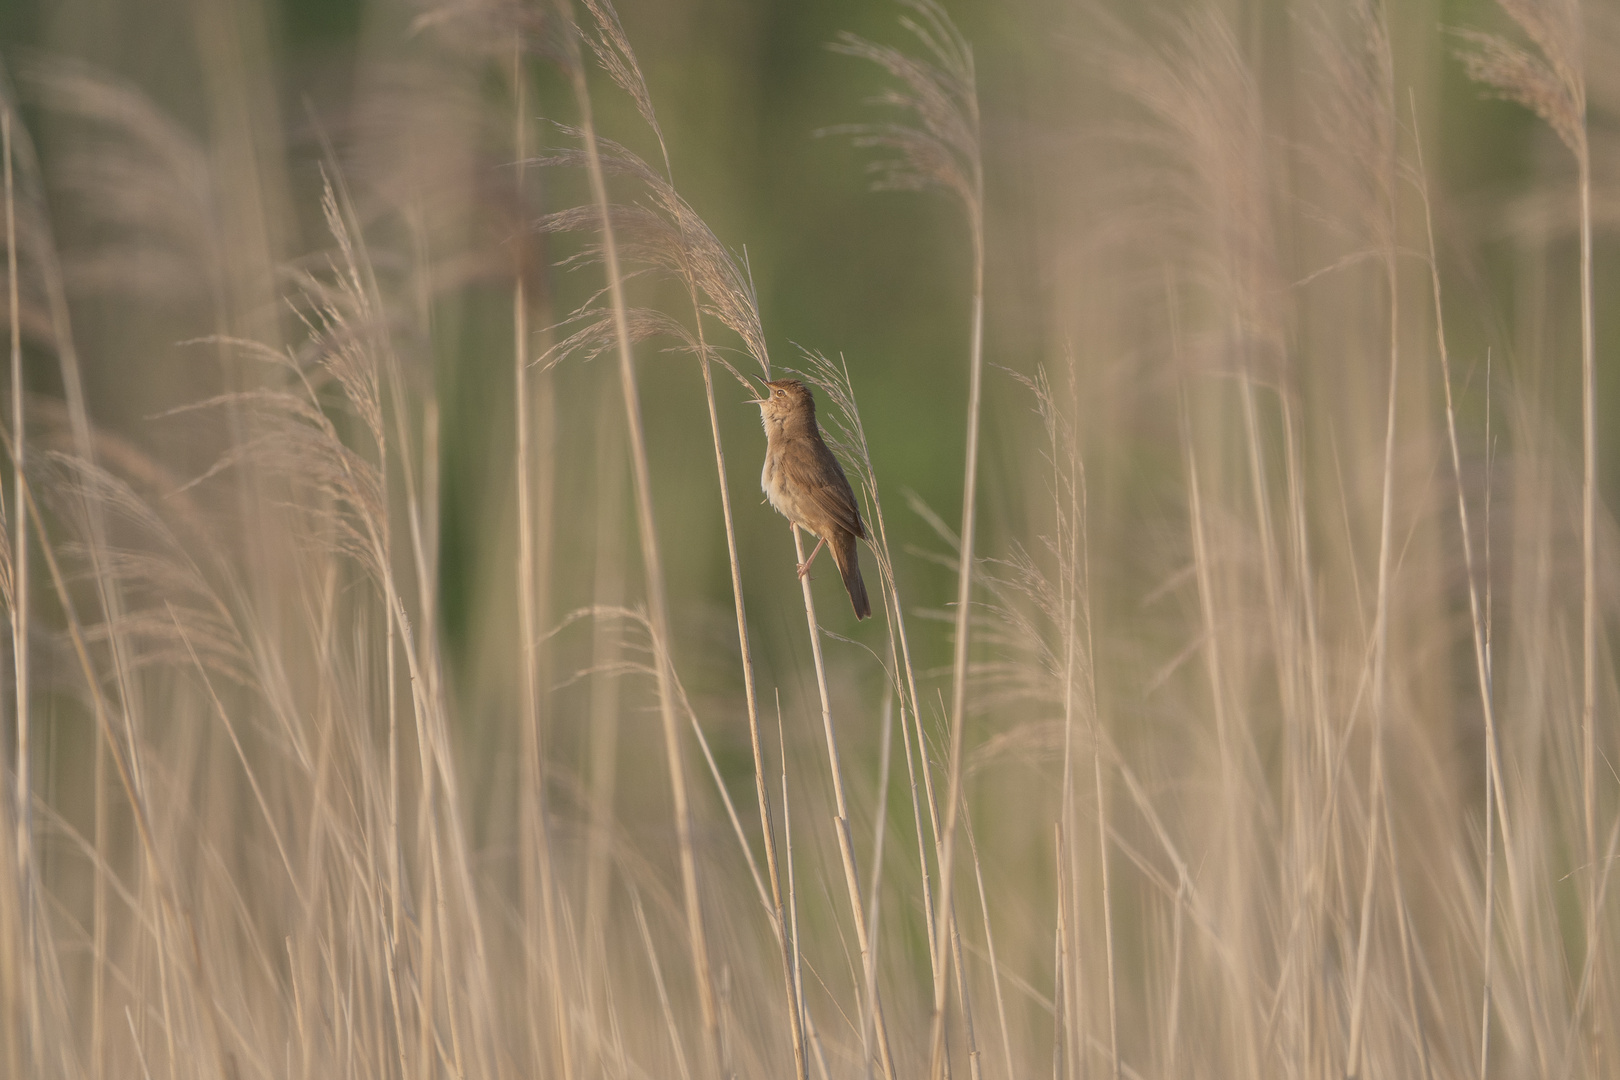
<point>804,482</point>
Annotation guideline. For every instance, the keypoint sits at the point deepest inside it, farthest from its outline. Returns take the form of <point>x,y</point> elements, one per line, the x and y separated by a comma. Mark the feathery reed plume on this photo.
<point>937,146</point>
<point>141,179</point>
<point>710,273</point>
<point>1204,194</point>
<point>1551,82</point>
<point>1067,606</point>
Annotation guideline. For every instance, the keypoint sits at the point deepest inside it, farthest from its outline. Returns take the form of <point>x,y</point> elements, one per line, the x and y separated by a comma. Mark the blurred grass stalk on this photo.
<point>20,940</point>
<point>1301,803</point>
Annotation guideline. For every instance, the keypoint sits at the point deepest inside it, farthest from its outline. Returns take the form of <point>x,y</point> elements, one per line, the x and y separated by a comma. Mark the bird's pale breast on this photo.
<point>775,482</point>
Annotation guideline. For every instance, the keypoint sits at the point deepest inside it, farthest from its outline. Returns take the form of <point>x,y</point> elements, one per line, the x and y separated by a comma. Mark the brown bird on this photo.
<point>807,486</point>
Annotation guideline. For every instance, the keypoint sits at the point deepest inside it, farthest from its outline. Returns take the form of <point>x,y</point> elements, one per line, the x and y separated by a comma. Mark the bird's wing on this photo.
<point>819,480</point>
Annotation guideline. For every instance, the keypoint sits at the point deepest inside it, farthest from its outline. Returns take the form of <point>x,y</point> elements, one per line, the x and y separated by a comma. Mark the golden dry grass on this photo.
<point>1272,732</point>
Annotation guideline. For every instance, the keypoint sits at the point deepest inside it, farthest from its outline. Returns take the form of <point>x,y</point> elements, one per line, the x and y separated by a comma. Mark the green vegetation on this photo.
<point>405,680</point>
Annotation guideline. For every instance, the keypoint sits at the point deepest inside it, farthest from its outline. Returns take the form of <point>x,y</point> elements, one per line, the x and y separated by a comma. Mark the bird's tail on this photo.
<point>847,556</point>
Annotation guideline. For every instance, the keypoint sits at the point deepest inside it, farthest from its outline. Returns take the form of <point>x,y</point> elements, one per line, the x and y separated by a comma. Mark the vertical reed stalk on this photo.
<point>1068,857</point>
<point>1551,81</point>
<point>536,857</point>
<point>1077,572</point>
<point>702,266</point>
<point>603,718</point>
<point>1104,881</point>
<point>911,735</point>
<point>106,589</point>
<point>846,849</point>
<point>19,623</point>
<point>1079,662</point>
<point>1062,1024</point>
<point>170,919</point>
<point>652,565</point>
<point>1375,794</point>
<point>1589,480</point>
<point>745,648</point>
<point>834,379</point>
<point>880,824</point>
<point>1494,803</point>
<point>791,930</point>
<point>959,660</point>
<point>990,955</point>
<point>1230,839</point>
<point>940,92</point>
<point>1380,643</point>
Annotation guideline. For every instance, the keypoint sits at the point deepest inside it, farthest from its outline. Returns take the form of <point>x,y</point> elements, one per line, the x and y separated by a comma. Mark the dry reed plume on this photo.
<point>375,708</point>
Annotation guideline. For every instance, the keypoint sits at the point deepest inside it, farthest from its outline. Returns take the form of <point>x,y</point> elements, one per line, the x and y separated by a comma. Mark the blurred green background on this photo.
<point>1167,264</point>
<point>742,88</point>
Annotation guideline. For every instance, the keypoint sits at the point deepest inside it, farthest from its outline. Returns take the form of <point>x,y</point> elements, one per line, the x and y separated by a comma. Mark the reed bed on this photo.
<point>380,701</point>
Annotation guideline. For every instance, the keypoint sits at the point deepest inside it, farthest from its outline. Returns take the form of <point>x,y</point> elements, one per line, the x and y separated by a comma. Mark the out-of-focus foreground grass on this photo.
<point>390,692</point>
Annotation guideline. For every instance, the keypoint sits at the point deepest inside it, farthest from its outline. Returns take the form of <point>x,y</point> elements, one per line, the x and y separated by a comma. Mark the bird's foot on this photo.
<point>804,567</point>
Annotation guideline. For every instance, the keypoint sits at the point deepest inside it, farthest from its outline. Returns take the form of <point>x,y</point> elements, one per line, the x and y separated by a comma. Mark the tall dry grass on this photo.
<point>360,729</point>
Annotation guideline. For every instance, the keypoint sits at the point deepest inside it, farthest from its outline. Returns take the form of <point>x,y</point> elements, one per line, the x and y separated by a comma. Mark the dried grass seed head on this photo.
<point>1551,84</point>
<point>665,236</point>
<point>940,93</point>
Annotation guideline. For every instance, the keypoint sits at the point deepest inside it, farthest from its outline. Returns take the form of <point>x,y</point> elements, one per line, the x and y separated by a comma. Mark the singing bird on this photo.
<point>806,484</point>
